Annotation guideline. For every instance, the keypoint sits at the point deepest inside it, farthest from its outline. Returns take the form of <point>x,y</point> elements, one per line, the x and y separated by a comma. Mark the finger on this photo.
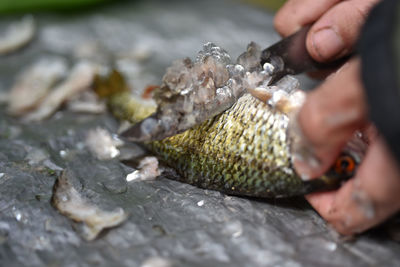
<point>298,13</point>
<point>329,117</point>
<point>320,74</point>
<point>337,30</point>
<point>366,200</point>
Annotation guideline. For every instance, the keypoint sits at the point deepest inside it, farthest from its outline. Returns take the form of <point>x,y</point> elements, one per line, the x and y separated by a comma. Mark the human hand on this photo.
<point>328,119</point>
<point>336,24</point>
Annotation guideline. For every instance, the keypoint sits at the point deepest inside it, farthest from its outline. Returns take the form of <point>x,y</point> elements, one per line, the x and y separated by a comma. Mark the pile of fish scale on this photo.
<point>194,91</point>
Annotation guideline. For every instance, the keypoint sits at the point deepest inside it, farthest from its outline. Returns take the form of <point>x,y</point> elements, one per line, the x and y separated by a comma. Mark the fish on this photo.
<point>244,149</point>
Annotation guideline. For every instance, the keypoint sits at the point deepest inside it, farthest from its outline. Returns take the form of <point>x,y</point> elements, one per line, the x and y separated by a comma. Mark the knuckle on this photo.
<point>349,18</point>
<point>279,23</point>
<point>283,23</point>
<point>287,19</point>
<point>343,22</point>
<point>359,11</point>
<point>363,7</point>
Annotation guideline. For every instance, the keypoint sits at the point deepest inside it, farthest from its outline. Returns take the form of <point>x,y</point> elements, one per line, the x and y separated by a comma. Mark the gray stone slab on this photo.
<point>183,224</point>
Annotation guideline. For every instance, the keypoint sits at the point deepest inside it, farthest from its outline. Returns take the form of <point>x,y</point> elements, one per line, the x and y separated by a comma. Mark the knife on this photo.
<point>290,56</point>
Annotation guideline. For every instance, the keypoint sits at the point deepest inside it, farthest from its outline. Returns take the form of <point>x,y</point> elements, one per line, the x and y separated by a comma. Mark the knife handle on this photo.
<point>290,56</point>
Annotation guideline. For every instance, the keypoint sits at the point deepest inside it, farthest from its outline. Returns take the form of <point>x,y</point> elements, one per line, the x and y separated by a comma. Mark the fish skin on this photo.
<point>243,151</point>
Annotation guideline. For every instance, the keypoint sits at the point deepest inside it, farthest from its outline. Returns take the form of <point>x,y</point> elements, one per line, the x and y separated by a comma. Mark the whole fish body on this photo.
<point>243,150</point>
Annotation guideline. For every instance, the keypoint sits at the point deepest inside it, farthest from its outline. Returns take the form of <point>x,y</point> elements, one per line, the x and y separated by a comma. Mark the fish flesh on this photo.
<point>237,144</point>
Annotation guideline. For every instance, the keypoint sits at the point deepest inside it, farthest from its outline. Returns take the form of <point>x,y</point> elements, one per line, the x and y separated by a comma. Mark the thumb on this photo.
<point>337,30</point>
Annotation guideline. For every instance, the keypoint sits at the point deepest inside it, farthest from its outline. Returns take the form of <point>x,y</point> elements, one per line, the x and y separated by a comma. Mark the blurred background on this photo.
<point>22,6</point>
<point>157,32</point>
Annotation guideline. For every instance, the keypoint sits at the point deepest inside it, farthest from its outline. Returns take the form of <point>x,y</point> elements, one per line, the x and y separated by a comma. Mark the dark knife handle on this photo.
<point>290,56</point>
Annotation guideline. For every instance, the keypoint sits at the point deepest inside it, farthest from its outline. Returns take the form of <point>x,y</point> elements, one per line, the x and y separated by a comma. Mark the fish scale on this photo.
<point>242,151</point>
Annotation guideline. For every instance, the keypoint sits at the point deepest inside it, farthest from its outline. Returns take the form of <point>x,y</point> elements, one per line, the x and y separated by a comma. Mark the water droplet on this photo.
<point>133,176</point>
<point>114,152</point>
<point>200,203</point>
<point>269,68</point>
<point>70,132</point>
<point>18,215</point>
<point>331,246</point>
<point>157,262</point>
<point>63,153</point>
<point>64,198</point>
<point>233,229</point>
<point>80,145</point>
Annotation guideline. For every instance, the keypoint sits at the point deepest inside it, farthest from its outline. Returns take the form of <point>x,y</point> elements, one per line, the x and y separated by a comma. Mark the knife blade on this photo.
<point>290,56</point>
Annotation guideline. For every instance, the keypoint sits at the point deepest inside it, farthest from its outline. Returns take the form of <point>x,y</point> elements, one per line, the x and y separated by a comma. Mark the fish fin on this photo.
<point>105,86</point>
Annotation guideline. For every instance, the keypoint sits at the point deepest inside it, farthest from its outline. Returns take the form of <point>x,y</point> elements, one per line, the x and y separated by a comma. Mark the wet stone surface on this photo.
<point>170,223</point>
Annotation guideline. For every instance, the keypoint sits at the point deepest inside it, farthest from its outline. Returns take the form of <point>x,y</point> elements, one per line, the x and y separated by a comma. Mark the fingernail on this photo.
<point>327,43</point>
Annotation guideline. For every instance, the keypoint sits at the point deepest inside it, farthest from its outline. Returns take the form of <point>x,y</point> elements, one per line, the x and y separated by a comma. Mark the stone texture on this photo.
<point>175,222</point>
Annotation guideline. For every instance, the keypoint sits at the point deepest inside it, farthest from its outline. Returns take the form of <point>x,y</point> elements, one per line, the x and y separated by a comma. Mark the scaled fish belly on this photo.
<point>210,128</point>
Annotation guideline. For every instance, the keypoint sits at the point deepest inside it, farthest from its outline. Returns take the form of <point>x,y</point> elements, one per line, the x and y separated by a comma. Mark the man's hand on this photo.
<point>336,24</point>
<point>330,116</point>
<point>328,119</point>
<point>334,111</point>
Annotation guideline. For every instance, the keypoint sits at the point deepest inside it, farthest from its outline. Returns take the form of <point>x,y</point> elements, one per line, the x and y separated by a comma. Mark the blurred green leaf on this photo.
<point>272,5</point>
<point>19,6</point>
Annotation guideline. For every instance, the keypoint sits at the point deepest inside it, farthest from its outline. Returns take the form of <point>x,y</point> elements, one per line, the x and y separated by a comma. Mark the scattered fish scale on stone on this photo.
<point>34,83</point>
<point>79,79</point>
<point>147,170</point>
<point>17,35</point>
<point>102,144</point>
<point>72,204</point>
